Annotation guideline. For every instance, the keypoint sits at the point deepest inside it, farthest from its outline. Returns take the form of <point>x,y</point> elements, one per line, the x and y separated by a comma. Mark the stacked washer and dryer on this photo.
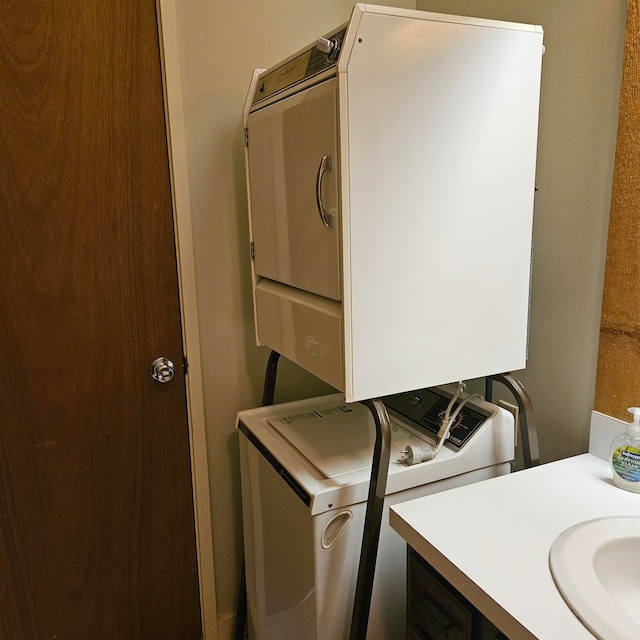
<point>391,179</point>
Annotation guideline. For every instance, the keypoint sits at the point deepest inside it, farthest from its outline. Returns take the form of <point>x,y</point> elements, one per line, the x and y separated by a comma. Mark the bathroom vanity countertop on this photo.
<point>491,540</point>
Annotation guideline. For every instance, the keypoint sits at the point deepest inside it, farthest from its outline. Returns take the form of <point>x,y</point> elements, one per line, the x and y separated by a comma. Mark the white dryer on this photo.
<point>305,469</point>
<point>391,172</point>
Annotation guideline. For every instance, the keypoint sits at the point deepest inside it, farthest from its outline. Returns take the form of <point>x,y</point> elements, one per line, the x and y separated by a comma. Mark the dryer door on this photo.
<point>293,186</point>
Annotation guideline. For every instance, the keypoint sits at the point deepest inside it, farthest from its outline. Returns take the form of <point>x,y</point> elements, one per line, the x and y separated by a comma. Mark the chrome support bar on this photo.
<point>528,431</point>
<point>372,520</point>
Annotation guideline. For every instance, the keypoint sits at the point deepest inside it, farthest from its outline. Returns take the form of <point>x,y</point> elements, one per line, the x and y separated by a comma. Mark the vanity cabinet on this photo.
<point>436,611</point>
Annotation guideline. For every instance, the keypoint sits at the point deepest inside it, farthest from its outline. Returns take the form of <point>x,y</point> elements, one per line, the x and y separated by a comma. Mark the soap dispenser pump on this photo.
<point>625,455</point>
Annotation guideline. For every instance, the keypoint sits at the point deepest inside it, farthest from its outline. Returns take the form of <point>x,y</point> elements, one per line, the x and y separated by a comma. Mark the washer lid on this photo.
<point>337,439</point>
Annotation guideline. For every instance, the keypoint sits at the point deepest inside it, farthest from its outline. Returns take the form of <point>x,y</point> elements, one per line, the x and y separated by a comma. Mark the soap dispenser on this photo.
<point>625,455</point>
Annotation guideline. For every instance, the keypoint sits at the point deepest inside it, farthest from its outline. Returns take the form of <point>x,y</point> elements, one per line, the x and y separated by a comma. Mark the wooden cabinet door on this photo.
<point>96,510</point>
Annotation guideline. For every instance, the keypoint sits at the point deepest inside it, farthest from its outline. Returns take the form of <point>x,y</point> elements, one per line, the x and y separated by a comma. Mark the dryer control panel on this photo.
<point>311,61</point>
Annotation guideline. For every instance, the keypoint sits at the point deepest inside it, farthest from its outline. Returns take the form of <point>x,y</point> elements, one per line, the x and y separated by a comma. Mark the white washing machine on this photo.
<point>305,469</point>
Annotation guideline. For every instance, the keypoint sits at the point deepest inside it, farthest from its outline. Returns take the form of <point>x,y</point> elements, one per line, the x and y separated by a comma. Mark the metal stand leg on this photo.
<point>372,521</point>
<point>269,389</point>
<point>268,394</point>
<point>528,432</point>
<point>240,621</point>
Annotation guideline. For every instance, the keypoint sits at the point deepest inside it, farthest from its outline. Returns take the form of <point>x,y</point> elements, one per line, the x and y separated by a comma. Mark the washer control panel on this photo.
<point>424,410</point>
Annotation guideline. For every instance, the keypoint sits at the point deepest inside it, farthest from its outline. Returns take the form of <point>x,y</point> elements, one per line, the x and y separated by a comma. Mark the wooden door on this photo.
<point>96,513</point>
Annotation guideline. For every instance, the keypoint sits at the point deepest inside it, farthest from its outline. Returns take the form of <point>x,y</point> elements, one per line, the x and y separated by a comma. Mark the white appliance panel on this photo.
<point>442,119</point>
<point>303,327</point>
<point>277,531</point>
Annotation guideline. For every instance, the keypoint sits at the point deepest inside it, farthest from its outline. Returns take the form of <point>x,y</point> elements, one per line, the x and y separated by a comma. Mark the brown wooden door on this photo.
<point>97,534</point>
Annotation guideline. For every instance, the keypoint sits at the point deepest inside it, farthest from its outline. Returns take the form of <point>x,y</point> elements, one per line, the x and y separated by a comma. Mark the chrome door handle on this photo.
<point>325,216</point>
<point>162,370</point>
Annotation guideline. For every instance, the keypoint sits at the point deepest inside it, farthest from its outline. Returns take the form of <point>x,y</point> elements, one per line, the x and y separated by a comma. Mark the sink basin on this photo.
<point>596,567</point>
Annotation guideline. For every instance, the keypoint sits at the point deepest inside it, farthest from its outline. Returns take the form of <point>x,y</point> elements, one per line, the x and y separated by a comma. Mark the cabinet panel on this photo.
<point>434,609</point>
<point>437,611</point>
<point>293,168</point>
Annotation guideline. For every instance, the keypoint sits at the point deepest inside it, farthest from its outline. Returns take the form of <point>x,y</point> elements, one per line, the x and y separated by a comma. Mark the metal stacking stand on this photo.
<point>528,431</point>
<point>378,487</point>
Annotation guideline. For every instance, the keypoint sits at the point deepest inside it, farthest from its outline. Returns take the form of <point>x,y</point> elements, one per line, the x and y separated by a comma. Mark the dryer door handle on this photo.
<point>325,216</point>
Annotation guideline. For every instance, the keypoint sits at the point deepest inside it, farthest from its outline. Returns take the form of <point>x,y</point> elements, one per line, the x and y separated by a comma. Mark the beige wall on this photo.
<point>577,136</point>
<point>221,42</point>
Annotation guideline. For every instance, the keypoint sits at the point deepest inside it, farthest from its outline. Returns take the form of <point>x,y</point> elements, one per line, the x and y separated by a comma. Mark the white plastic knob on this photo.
<point>325,45</point>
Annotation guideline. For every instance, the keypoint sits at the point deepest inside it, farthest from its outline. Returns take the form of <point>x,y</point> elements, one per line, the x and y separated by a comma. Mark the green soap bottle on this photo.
<point>625,455</point>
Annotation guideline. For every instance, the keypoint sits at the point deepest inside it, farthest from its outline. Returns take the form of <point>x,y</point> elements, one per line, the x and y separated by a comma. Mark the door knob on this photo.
<point>162,370</point>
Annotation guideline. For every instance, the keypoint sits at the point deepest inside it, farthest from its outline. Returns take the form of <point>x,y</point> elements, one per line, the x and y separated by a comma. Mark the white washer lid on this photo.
<point>337,439</point>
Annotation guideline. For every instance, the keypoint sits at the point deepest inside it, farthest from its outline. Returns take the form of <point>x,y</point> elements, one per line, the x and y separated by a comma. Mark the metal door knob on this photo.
<point>162,370</point>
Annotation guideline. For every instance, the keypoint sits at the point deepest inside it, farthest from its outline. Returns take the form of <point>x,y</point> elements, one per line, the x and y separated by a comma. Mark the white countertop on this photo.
<point>491,540</point>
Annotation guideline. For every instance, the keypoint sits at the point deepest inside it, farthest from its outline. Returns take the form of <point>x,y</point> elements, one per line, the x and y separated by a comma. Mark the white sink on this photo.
<point>596,567</point>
